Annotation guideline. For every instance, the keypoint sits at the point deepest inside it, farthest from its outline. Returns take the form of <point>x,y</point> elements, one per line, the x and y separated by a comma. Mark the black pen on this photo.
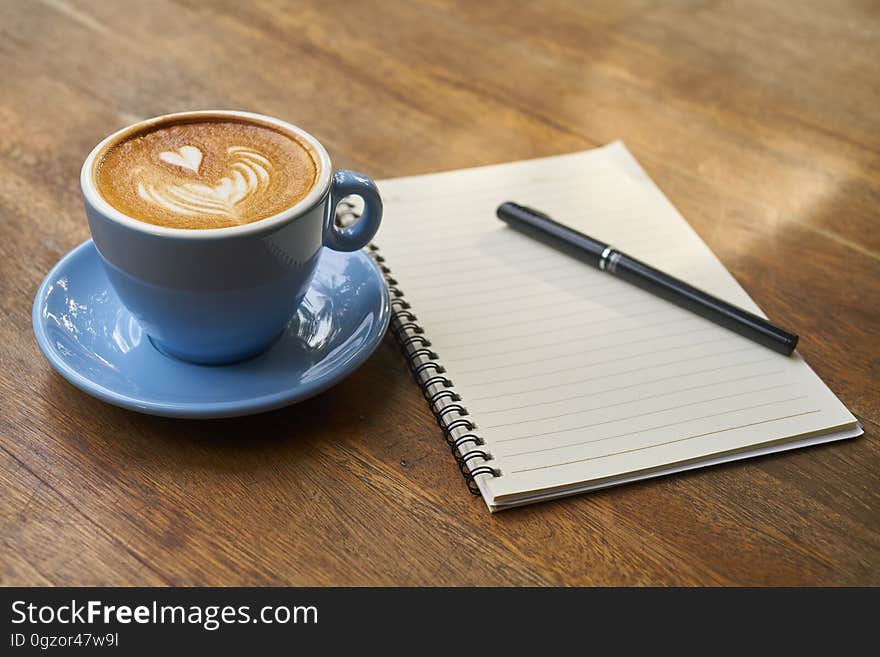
<point>604,257</point>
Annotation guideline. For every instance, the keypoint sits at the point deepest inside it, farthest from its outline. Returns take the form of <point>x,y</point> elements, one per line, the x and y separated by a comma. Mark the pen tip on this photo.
<point>505,208</point>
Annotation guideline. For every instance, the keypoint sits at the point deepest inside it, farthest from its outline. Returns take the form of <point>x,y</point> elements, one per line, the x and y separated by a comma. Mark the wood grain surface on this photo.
<point>759,119</point>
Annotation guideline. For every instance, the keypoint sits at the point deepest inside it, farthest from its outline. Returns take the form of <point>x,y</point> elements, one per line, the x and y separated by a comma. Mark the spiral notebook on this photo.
<point>548,377</point>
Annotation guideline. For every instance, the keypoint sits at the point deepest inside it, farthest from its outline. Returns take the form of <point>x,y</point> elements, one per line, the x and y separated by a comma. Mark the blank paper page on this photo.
<point>571,375</point>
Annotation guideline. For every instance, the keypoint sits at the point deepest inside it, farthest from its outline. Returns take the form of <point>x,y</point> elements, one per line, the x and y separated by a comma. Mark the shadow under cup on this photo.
<point>220,295</point>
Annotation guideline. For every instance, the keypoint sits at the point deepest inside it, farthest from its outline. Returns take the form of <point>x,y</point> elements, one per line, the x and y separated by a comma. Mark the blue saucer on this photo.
<point>93,342</point>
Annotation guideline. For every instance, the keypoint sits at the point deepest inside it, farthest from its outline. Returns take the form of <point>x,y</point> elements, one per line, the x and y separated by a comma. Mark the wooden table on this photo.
<point>760,121</point>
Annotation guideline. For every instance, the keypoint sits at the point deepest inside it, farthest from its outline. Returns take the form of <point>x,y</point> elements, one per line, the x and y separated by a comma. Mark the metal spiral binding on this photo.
<point>443,402</point>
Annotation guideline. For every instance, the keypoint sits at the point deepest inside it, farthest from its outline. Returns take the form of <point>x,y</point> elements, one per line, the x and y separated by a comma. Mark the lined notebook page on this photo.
<point>571,375</point>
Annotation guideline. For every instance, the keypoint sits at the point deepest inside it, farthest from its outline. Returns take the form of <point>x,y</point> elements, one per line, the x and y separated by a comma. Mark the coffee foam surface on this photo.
<point>208,173</point>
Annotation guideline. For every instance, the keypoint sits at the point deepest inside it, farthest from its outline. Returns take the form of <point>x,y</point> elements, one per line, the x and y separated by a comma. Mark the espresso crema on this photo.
<point>206,173</point>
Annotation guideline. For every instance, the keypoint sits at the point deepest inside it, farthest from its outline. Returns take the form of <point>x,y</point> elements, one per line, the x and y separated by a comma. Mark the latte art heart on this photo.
<point>249,173</point>
<point>206,173</point>
<point>188,157</point>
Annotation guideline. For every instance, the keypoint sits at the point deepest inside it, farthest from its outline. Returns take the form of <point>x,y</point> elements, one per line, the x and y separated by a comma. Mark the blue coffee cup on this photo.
<point>220,295</point>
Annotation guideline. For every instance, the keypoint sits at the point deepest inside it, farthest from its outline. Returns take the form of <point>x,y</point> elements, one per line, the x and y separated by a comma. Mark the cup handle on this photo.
<point>358,234</point>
